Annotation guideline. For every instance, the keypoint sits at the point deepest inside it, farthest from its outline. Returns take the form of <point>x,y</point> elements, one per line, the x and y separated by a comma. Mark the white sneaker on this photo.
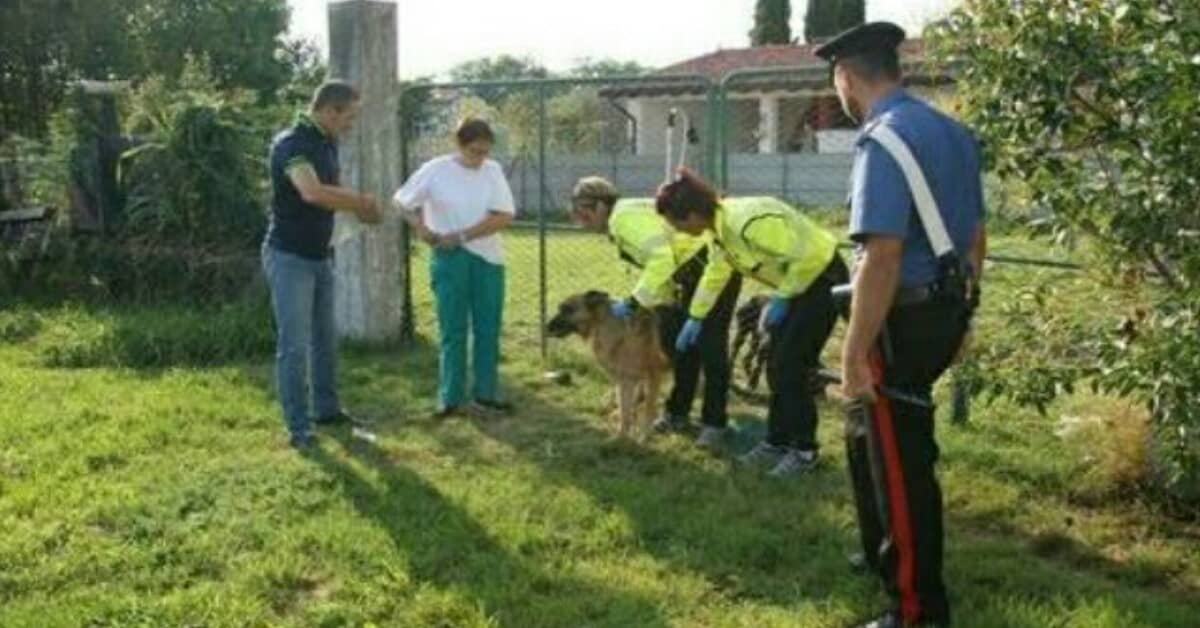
<point>795,462</point>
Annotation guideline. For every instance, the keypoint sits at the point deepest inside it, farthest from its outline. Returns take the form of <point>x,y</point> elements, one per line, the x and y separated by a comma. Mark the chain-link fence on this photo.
<point>779,132</point>
<point>549,134</point>
<point>783,134</point>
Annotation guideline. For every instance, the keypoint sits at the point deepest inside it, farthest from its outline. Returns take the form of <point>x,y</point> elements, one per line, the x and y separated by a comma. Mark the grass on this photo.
<point>144,482</point>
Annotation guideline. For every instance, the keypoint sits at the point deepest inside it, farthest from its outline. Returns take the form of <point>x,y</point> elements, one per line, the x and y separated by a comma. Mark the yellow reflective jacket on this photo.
<point>769,240</point>
<point>647,241</point>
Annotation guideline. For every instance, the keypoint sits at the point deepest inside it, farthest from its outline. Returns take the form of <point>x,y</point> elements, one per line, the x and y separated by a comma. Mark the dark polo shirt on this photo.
<point>298,227</point>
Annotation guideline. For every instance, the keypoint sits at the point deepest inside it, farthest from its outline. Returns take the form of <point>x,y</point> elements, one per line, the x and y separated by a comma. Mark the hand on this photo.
<point>369,212</point>
<point>688,335</point>
<point>621,308</point>
<point>450,241</point>
<point>774,313</point>
<point>858,382</point>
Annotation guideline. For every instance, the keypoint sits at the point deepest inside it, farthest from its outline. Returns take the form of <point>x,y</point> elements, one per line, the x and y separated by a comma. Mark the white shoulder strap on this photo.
<point>927,209</point>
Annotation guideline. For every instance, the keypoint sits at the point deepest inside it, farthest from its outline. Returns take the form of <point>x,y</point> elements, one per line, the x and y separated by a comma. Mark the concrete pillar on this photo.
<point>651,115</point>
<point>369,296</point>
<point>768,124</point>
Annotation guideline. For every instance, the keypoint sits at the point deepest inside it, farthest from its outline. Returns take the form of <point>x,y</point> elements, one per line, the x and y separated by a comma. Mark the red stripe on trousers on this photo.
<point>901,524</point>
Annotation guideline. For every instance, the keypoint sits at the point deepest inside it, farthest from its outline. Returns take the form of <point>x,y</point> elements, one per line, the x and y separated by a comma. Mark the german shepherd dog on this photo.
<point>630,351</point>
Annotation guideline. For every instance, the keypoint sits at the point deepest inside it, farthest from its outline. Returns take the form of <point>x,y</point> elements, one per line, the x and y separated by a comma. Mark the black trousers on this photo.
<point>892,451</point>
<point>794,356</point>
<point>710,353</point>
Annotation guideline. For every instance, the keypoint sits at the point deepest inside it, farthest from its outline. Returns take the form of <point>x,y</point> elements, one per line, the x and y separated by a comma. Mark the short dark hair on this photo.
<point>472,129</point>
<point>874,65</point>
<point>336,94</point>
<point>684,196</point>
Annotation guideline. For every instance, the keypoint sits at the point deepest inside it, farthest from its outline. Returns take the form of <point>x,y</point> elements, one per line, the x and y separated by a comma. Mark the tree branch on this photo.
<point>1164,270</point>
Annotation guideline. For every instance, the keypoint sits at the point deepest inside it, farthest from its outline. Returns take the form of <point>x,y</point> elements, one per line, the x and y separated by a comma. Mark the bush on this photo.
<point>1107,139</point>
<point>157,337</point>
<point>198,180</point>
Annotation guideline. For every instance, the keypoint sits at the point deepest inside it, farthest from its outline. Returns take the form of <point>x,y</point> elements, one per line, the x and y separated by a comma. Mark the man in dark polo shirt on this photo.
<point>296,256</point>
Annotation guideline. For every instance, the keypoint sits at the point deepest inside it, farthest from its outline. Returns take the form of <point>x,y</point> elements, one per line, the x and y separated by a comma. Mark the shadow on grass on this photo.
<point>1058,551</point>
<point>447,547</point>
<point>757,538</point>
<point>781,543</point>
<point>750,537</point>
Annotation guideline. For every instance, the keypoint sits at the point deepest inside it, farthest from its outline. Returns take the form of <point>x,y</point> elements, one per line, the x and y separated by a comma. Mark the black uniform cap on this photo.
<point>863,39</point>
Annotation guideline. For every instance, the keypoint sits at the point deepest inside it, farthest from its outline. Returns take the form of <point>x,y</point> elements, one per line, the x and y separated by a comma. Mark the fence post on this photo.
<point>722,135</point>
<point>542,218</point>
<point>407,324</point>
<point>784,183</point>
<point>712,145</point>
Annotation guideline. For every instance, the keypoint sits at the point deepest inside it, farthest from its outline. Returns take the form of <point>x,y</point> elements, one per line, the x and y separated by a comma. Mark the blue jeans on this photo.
<point>306,341</point>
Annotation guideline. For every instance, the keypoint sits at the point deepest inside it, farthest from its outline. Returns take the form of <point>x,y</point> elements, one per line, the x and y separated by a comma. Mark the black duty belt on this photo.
<point>905,295</point>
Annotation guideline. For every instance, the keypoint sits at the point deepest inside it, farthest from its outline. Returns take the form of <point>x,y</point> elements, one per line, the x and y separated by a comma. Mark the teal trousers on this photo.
<point>469,292</point>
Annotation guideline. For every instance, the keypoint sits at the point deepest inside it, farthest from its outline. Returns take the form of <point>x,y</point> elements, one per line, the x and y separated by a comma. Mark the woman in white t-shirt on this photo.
<point>458,204</point>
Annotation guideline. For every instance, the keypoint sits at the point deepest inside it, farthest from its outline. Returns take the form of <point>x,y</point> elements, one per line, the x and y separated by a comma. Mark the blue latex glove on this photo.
<point>775,312</point>
<point>688,335</point>
<point>621,308</point>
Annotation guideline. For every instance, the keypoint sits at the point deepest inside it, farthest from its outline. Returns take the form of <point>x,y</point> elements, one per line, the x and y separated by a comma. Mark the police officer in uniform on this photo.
<point>671,268</point>
<point>777,246</point>
<point>916,214</point>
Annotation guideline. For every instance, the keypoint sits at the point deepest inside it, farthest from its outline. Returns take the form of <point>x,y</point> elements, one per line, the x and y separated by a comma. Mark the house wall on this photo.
<point>799,178</point>
<point>652,113</point>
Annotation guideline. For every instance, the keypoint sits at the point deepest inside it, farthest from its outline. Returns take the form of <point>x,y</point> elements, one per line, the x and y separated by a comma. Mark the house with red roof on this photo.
<point>779,98</point>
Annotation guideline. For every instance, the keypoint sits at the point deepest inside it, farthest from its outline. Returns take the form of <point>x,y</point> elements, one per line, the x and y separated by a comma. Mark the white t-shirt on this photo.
<point>454,197</point>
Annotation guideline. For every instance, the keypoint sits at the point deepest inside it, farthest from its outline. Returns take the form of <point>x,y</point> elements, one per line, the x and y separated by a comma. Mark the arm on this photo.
<point>331,197</point>
<point>874,289</point>
<point>774,238</point>
<point>494,222</point>
<point>716,274</point>
<point>657,272</point>
<point>408,201</point>
<point>978,251</point>
<point>417,223</point>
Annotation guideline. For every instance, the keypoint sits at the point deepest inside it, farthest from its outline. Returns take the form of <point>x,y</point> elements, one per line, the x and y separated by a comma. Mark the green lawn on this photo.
<point>165,496</point>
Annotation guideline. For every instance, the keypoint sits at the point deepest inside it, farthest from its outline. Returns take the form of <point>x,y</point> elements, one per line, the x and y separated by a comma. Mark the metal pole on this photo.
<point>710,135</point>
<point>723,135</point>
<point>407,324</point>
<point>542,218</point>
<point>785,173</point>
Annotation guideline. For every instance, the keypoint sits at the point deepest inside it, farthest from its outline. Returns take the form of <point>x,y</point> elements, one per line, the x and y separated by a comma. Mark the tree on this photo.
<point>587,68</point>
<point>771,23</point>
<point>305,67</point>
<point>1095,110</point>
<point>499,68</point>
<point>826,18</point>
<point>851,13</point>
<point>240,39</point>
<point>46,45</point>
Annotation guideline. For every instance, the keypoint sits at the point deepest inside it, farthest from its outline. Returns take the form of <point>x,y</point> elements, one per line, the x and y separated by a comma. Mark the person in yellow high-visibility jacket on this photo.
<point>672,265</point>
<point>774,244</point>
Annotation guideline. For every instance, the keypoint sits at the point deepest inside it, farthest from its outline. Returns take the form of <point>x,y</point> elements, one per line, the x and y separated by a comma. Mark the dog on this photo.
<point>750,336</point>
<point>630,351</point>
